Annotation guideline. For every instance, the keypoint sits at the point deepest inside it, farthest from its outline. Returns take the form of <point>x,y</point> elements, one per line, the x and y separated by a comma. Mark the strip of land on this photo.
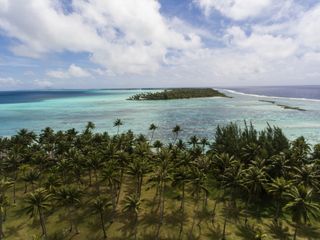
<point>283,105</point>
<point>178,93</point>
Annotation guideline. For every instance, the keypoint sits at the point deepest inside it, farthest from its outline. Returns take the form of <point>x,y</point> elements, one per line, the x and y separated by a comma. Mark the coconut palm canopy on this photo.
<point>94,183</point>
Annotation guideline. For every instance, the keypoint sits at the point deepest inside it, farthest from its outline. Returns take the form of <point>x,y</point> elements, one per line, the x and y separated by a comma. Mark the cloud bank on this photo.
<point>252,42</point>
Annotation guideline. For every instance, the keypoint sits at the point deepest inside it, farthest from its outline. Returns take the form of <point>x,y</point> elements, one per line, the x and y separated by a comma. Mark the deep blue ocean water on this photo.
<point>63,109</point>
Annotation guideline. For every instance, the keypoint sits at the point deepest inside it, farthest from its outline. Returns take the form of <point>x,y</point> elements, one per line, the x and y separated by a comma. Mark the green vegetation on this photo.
<point>283,105</point>
<point>244,184</point>
<point>268,101</point>
<point>178,93</point>
<point>290,107</point>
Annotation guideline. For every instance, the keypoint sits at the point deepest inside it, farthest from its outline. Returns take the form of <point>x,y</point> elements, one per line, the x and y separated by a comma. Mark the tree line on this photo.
<point>241,175</point>
<point>178,93</point>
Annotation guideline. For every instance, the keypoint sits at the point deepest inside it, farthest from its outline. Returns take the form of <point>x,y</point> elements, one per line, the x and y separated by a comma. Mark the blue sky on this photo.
<point>165,43</point>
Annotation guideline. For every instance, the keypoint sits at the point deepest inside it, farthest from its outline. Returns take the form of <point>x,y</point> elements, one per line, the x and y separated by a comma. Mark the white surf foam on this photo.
<point>271,97</point>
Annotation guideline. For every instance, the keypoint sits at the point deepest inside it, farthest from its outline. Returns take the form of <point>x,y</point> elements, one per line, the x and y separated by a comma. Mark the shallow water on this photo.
<point>196,116</point>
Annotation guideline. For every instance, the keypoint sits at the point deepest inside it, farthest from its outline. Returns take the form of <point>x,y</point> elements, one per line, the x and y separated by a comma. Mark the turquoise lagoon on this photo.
<point>195,116</point>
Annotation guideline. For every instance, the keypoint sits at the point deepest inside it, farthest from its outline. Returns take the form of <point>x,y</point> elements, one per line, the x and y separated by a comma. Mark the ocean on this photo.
<point>63,109</point>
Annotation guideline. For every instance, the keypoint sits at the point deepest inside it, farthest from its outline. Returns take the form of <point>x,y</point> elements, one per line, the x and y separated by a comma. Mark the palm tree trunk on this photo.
<point>161,210</point>
<point>137,185</point>
<point>159,196</point>
<point>120,186</point>
<point>4,213</point>
<point>140,186</point>
<point>155,198</point>
<point>295,232</point>
<point>70,219</point>
<point>14,187</point>
<point>113,198</point>
<point>182,198</point>
<point>1,225</point>
<point>25,187</point>
<point>43,225</point>
<point>97,184</point>
<point>103,227</point>
<point>14,192</point>
<point>182,211</point>
<point>136,226</point>
<point>278,211</point>
<point>90,178</point>
<point>195,210</point>
<point>205,202</point>
<point>224,229</point>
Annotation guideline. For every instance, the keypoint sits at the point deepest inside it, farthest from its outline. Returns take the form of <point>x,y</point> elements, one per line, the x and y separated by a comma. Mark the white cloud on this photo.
<point>265,45</point>
<point>308,29</point>
<point>73,71</point>
<point>235,9</point>
<point>8,82</point>
<point>124,36</point>
<point>78,72</point>
<point>42,83</point>
<point>133,44</point>
<point>29,73</point>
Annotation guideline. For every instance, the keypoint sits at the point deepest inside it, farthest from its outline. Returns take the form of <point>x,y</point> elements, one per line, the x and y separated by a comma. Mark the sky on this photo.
<point>76,44</point>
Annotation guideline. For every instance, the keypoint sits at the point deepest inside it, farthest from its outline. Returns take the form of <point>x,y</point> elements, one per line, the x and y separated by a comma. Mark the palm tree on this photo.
<point>157,144</point>
<point>162,174</point>
<point>36,204</point>
<point>301,206</point>
<point>95,163</point>
<point>117,123</point>
<point>52,183</point>
<point>132,207</point>
<point>47,140</point>
<point>254,180</point>
<point>4,186</point>
<point>300,150</point>
<point>180,179</point>
<point>193,141</point>
<point>229,212</point>
<point>152,128</point>
<point>110,174</point>
<point>204,142</point>
<point>64,167</point>
<point>181,144</point>
<point>69,198</point>
<point>30,177</point>
<point>25,137</point>
<point>316,151</point>
<point>138,168</point>
<point>231,181</point>
<point>12,164</point>
<point>221,162</point>
<point>99,206</point>
<point>90,126</point>
<point>198,183</point>
<point>121,161</point>
<point>277,188</point>
<point>4,203</point>
<point>308,175</point>
<point>176,130</point>
<point>280,165</point>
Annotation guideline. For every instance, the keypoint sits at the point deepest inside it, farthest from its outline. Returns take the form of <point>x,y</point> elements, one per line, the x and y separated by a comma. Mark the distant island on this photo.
<point>283,105</point>
<point>178,93</point>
